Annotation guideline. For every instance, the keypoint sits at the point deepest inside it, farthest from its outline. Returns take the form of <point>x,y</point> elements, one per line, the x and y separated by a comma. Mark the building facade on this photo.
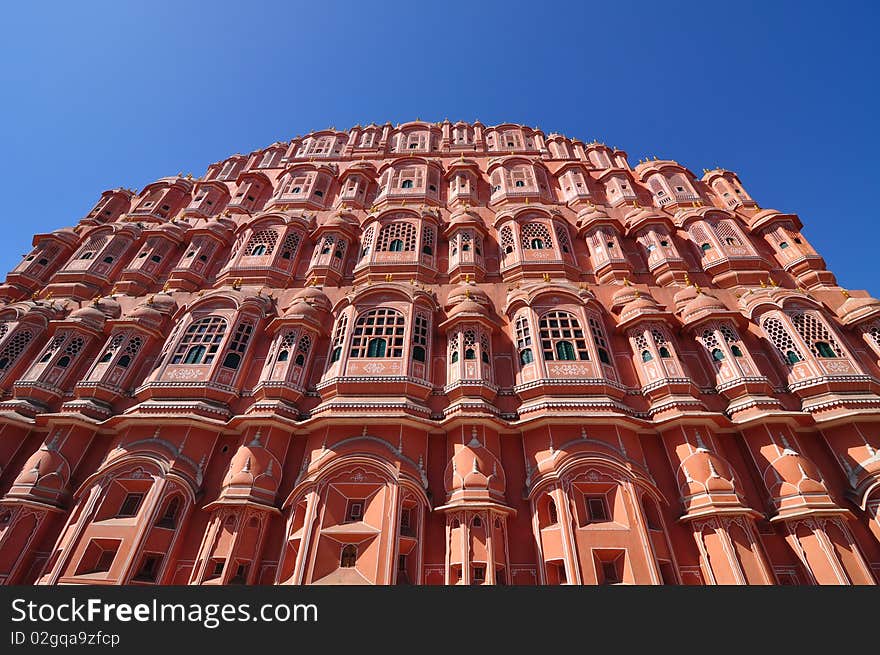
<point>437,353</point>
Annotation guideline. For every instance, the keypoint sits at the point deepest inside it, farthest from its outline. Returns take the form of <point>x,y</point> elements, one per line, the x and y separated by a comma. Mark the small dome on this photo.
<point>462,217</point>
<point>341,221</point>
<point>474,472</point>
<point>312,296</point>
<point>146,314</point>
<point>589,215</point>
<point>703,471</point>
<point>642,304</point>
<point>703,305</point>
<point>467,292</point>
<point>855,308</point>
<point>46,468</point>
<point>255,467</point>
<point>625,294</point>
<point>792,473</point>
<point>681,298</point>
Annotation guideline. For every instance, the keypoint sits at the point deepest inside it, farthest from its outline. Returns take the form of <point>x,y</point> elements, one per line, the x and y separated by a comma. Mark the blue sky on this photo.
<point>105,94</point>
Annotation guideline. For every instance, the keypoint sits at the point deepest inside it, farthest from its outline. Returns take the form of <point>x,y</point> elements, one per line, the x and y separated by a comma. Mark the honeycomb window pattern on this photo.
<point>261,244</point>
<point>536,236</point>
<point>14,347</point>
<point>397,236</point>
<point>781,339</point>
<point>815,333</point>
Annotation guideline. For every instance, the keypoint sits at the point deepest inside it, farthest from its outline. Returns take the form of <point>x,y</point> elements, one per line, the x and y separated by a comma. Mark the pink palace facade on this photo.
<point>437,353</point>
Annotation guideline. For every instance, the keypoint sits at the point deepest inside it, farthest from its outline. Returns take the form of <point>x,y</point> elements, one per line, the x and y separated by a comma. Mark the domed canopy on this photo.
<point>474,473</point>
<point>253,470</point>
<point>856,309</point>
<point>700,306</point>
<point>312,296</point>
<point>704,471</point>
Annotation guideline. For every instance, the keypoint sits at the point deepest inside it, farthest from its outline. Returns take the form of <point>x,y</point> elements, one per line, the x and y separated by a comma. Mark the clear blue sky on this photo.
<point>104,94</point>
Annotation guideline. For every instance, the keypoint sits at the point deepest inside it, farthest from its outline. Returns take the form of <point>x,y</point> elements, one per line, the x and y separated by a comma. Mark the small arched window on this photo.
<point>519,183</point>
<point>705,246</point>
<point>454,357</point>
<point>824,349</point>
<point>792,357</point>
<point>195,355</point>
<point>783,245</point>
<point>284,355</point>
<point>349,557</point>
<point>300,360</point>
<point>169,516</point>
<point>124,361</point>
<point>736,350</point>
<point>470,354</point>
<point>376,348</point>
<point>106,357</point>
<point>564,350</point>
<point>407,184</point>
<point>258,250</point>
<point>525,356</point>
<point>647,356</point>
<point>536,244</point>
<point>477,522</point>
<point>717,355</point>
<point>664,352</point>
<point>396,245</point>
<point>419,353</point>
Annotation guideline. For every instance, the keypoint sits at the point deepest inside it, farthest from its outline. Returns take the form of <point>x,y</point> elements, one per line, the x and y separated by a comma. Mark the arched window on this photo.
<point>239,343</point>
<point>816,334</point>
<point>717,354</point>
<point>169,516</point>
<point>378,333</point>
<point>523,340</point>
<point>536,236</point>
<point>664,352</point>
<point>705,246</point>
<point>736,350</point>
<point>201,341</point>
<point>780,337</point>
<point>407,184</point>
<point>519,183</point>
<point>647,356</point>
<point>506,240</point>
<point>262,243</point>
<point>397,237</point>
<point>562,337</point>
<point>599,340</point>
<point>338,338</point>
<point>349,557</point>
<point>420,337</point>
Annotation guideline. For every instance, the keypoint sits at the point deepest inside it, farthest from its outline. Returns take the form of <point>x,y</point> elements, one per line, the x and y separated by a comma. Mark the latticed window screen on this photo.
<point>420,330</point>
<point>339,253</point>
<point>523,335</point>
<point>698,234</point>
<point>399,236</point>
<point>779,337</point>
<point>873,333</point>
<point>378,333</point>
<point>201,341</point>
<point>428,240</point>
<point>728,234</point>
<point>470,343</point>
<point>507,243</point>
<point>93,245</point>
<point>535,236</point>
<point>305,344</point>
<point>113,347</point>
<point>326,245</point>
<point>338,338</point>
<point>562,236</point>
<point>238,345</point>
<point>54,345</point>
<point>367,241</point>
<point>262,243</point>
<point>454,340</point>
<point>599,339</point>
<point>562,337</point>
<point>640,340</point>
<point>709,340</point>
<point>290,244</point>
<point>14,347</point>
<point>729,334</point>
<point>74,347</point>
<point>815,333</point>
<point>485,347</point>
<point>133,346</point>
<point>288,341</point>
<point>659,337</point>
<point>4,328</point>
